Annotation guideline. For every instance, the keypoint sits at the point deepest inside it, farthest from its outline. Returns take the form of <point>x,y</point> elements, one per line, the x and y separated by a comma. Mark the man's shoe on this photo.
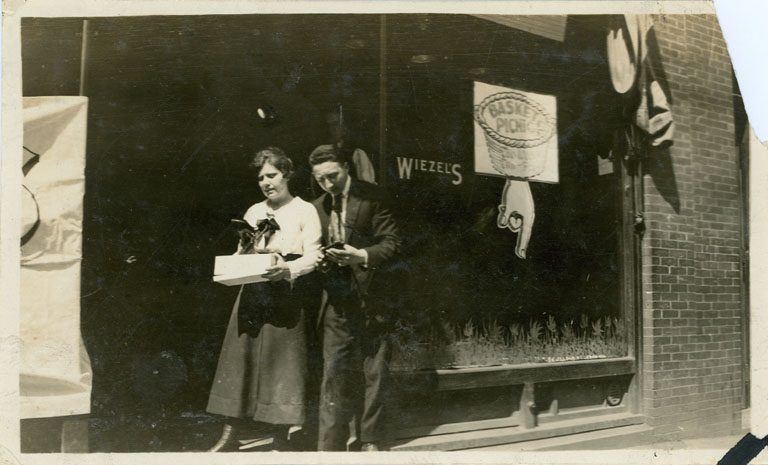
<point>260,443</point>
<point>369,447</point>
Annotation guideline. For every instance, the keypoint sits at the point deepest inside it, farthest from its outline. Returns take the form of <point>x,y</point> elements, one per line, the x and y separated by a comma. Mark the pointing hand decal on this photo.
<point>516,212</point>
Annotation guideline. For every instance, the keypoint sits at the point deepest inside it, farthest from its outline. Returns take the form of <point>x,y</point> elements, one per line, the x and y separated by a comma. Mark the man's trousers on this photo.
<point>355,378</point>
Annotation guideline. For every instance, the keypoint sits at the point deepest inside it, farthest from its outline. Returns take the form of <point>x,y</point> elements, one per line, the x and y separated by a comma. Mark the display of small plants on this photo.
<point>488,343</point>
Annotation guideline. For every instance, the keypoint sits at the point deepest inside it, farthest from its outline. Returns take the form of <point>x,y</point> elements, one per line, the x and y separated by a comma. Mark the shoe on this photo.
<point>369,447</point>
<point>261,443</point>
<point>277,440</point>
<point>226,442</point>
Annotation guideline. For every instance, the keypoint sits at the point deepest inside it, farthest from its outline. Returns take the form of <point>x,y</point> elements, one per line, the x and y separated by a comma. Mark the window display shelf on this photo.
<point>505,375</point>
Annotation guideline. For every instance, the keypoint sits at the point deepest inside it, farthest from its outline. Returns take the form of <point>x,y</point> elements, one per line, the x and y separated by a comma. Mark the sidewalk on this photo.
<point>712,443</point>
<point>717,443</point>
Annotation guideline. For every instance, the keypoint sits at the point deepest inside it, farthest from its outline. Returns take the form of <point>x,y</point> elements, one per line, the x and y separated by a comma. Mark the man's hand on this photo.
<point>347,256</point>
<point>278,271</point>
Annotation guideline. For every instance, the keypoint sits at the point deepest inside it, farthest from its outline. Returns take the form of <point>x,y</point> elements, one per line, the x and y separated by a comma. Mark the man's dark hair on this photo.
<point>327,152</point>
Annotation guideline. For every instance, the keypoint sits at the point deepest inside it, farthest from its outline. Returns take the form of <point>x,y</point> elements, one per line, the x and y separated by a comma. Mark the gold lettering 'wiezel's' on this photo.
<point>406,165</point>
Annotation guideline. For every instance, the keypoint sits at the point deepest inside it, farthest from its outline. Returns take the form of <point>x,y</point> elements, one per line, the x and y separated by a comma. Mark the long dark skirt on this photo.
<point>265,370</point>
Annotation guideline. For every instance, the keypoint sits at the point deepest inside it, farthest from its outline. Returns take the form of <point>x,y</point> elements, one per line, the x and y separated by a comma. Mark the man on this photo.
<point>361,237</point>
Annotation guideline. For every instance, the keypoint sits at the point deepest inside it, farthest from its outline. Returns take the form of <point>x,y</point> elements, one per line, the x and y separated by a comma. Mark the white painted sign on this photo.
<point>515,134</point>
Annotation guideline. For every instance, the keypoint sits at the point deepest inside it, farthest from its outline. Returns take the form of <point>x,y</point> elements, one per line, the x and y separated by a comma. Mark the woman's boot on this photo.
<point>227,440</point>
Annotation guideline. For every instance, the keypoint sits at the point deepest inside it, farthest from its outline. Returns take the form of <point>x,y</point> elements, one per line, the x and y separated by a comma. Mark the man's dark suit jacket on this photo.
<point>369,225</point>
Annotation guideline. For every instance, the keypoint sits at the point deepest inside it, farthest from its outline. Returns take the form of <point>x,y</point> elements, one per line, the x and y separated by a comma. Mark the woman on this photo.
<point>263,370</point>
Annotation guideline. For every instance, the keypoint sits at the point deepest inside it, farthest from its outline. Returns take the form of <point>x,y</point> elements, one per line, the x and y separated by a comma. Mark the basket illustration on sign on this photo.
<point>516,131</point>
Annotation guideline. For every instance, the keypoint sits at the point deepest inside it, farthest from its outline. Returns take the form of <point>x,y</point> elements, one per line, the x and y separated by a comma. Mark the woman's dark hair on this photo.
<point>274,156</point>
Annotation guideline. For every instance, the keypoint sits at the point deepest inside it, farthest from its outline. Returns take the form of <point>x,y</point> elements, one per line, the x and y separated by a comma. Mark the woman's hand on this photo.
<point>278,271</point>
<point>246,239</point>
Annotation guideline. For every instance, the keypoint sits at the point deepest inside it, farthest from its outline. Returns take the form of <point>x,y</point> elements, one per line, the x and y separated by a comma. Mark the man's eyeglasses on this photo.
<point>332,177</point>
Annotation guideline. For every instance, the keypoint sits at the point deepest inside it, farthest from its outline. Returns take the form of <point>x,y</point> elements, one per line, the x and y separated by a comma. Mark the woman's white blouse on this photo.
<point>299,233</point>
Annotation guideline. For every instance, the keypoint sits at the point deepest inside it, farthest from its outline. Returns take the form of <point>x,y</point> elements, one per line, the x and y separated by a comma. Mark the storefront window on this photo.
<point>402,88</point>
<point>473,299</point>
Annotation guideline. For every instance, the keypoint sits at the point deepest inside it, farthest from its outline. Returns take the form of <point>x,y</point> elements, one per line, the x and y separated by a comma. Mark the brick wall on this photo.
<point>691,250</point>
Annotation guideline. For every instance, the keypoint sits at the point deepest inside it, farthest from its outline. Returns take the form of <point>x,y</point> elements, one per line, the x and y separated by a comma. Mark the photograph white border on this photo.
<point>10,168</point>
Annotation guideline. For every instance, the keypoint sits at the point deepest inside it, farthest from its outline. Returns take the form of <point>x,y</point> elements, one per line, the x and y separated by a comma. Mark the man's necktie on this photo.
<point>336,226</point>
